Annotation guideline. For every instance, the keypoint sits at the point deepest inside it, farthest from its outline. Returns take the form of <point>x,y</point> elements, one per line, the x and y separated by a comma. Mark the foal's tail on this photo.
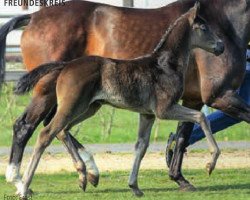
<point>29,80</point>
<point>14,23</point>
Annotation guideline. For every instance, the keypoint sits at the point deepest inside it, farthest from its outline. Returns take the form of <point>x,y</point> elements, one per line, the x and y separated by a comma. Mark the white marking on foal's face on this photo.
<point>13,173</point>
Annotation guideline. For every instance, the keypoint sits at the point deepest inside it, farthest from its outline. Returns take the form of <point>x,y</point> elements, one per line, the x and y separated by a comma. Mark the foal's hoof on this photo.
<point>187,188</point>
<point>210,167</point>
<point>137,192</point>
<point>83,184</point>
<point>94,180</point>
<point>28,194</point>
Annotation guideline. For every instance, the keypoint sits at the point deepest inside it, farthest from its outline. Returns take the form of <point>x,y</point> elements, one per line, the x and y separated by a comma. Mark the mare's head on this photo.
<point>232,17</point>
<point>201,34</point>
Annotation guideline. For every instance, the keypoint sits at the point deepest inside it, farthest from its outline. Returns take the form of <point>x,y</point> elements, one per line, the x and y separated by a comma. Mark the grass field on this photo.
<point>123,130</point>
<point>223,184</point>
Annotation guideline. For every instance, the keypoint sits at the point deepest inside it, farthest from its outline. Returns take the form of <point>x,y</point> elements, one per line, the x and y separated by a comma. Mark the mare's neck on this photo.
<point>174,48</point>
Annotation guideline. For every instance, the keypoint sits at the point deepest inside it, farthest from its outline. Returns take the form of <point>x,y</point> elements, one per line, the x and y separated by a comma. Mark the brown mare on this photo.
<point>150,85</point>
<point>84,28</point>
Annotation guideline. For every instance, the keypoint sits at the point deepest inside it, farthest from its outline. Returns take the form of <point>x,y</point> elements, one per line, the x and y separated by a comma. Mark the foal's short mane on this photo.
<point>168,32</point>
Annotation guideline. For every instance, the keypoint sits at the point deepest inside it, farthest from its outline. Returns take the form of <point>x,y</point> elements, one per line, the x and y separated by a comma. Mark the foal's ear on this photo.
<point>193,12</point>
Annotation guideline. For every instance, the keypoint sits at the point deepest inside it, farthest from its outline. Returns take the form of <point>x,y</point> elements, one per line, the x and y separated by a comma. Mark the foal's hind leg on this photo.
<point>79,164</point>
<point>44,139</point>
<point>68,110</point>
<point>43,101</point>
<point>145,126</point>
<point>75,148</point>
<point>86,156</point>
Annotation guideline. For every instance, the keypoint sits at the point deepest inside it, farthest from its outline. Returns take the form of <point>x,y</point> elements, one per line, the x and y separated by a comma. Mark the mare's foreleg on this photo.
<point>145,126</point>
<point>184,131</point>
<point>233,105</point>
<point>42,101</point>
<point>23,129</point>
<point>183,134</point>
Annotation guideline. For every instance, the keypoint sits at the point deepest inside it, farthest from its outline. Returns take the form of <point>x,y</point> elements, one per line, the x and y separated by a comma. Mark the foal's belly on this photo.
<point>141,103</point>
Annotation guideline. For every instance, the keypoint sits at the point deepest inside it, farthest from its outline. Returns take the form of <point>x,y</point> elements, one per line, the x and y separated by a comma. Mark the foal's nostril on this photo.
<point>220,47</point>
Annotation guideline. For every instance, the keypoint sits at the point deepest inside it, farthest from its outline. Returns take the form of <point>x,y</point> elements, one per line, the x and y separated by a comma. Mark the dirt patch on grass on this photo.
<point>115,162</point>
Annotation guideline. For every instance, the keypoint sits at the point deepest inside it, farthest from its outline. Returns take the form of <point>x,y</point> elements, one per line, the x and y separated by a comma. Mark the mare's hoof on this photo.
<point>187,188</point>
<point>137,192</point>
<point>210,167</point>
<point>94,180</point>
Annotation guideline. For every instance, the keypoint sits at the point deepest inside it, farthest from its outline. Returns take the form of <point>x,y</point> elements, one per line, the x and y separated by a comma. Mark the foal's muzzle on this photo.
<point>219,49</point>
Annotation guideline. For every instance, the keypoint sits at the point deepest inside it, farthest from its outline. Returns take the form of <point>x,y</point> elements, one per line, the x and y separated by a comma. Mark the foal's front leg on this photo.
<point>181,113</point>
<point>145,126</point>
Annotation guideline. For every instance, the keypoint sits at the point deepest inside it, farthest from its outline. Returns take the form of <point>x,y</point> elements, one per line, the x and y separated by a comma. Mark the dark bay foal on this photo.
<point>151,85</point>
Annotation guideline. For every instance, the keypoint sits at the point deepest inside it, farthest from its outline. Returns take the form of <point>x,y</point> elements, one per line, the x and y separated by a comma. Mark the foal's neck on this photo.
<point>174,48</point>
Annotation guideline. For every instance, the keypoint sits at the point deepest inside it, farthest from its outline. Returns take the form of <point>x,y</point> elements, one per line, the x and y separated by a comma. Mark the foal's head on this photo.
<point>201,35</point>
<point>191,31</point>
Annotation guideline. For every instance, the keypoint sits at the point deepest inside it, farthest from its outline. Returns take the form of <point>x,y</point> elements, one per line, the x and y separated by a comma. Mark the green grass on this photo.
<point>123,131</point>
<point>223,184</point>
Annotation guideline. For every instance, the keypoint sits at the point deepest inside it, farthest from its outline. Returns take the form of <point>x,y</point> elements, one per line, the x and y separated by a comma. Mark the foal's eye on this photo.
<point>203,27</point>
